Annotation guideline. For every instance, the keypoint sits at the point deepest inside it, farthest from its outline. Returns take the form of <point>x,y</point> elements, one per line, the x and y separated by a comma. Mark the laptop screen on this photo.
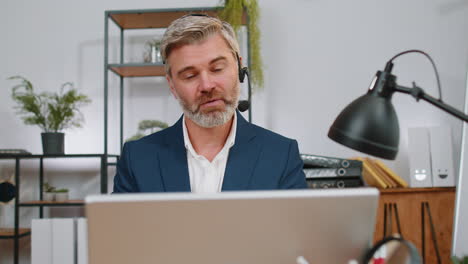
<point>319,226</point>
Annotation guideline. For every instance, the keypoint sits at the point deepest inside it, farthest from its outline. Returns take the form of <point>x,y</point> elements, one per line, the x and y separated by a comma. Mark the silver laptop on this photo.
<point>258,227</point>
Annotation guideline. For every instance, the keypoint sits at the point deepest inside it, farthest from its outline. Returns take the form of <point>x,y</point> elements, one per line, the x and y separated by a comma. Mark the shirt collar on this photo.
<point>227,145</point>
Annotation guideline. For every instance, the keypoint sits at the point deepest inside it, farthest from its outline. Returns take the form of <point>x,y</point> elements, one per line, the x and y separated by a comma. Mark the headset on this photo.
<point>243,105</point>
<point>243,71</point>
<point>414,257</point>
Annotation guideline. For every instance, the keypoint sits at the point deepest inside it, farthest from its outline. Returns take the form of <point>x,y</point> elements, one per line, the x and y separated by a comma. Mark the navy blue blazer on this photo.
<point>259,160</point>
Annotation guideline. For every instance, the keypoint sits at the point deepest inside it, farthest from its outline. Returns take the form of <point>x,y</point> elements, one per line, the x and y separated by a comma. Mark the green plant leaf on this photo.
<point>135,137</point>
<point>150,124</point>
<point>48,188</point>
<point>456,260</point>
<point>232,12</point>
<point>52,112</point>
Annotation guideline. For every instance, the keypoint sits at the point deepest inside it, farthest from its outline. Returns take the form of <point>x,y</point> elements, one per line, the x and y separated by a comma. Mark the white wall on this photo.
<point>319,55</point>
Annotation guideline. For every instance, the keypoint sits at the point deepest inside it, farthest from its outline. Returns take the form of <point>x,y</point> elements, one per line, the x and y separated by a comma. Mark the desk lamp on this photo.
<point>370,124</point>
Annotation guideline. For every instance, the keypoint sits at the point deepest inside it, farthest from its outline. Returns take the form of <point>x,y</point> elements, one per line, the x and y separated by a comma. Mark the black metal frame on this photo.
<point>17,204</point>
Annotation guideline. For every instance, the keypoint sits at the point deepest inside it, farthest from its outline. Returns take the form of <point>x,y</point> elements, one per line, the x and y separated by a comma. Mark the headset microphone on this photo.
<point>243,105</point>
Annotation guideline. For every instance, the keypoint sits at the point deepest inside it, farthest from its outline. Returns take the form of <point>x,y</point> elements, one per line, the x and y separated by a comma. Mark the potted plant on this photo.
<point>146,125</point>
<point>48,192</point>
<point>51,193</point>
<point>61,195</point>
<point>52,112</point>
<point>233,12</point>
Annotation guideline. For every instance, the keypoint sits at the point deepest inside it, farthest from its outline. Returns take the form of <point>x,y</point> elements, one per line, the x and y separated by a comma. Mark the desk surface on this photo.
<point>417,190</point>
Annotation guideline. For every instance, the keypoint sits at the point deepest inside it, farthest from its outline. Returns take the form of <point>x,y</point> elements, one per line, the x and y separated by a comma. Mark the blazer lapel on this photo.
<point>242,158</point>
<point>173,161</point>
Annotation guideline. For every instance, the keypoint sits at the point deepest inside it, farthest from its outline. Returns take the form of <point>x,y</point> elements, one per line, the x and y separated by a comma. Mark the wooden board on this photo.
<point>10,232</point>
<point>155,19</point>
<point>408,201</point>
<point>139,71</point>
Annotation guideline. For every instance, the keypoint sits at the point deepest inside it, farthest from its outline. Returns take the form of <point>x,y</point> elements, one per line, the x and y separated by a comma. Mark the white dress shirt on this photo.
<point>206,176</point>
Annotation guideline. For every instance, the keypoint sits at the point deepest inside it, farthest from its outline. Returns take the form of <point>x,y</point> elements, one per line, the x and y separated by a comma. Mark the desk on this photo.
<point>409,203</point>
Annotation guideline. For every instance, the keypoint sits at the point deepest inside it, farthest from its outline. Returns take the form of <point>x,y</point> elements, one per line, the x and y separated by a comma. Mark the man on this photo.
<point>211,148</point>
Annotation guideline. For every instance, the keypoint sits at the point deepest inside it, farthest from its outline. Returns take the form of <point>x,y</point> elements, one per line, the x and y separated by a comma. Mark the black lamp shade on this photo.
<point>370,125</point>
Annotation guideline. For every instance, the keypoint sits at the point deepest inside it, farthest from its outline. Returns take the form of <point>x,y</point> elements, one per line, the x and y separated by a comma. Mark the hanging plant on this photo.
<point>232,13</point>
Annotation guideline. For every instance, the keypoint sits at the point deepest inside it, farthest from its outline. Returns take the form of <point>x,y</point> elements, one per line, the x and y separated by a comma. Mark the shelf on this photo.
<point>35,156</point>
<point>9,233</point>
<point>138,69</point>
<point>50,203</point>
<point>157,18</point>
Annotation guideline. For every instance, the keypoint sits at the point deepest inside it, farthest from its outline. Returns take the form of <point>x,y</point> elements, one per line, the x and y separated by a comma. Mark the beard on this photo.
<point>211,117</point>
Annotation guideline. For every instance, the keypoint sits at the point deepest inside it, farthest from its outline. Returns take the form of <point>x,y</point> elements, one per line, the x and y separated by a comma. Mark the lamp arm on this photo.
<point>418,93</point>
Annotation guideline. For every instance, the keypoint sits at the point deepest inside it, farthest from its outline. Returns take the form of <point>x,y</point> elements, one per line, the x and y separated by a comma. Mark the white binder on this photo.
<point>82,241</point>
<point>63,241</point>
<point>419,154</point>
<point>41,241</point>
<point>443,172</point>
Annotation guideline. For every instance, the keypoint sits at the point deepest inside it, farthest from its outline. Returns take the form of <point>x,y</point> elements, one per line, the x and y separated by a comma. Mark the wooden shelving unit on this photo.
<point>18,232</point>
<point>9,233</point>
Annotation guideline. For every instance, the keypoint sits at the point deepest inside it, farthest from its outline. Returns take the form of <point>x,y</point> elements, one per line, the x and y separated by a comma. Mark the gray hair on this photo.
<point>192,29</point>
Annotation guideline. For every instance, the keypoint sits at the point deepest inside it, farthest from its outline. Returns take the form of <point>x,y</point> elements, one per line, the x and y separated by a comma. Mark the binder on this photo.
<point>419,155</point>
<point>443,172</point>
<point>41,241</point>
<point>63,241</point>
<point>82,241</point>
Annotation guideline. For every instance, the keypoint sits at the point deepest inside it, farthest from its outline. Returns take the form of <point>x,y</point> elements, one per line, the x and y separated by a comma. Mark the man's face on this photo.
<point>204,81</point>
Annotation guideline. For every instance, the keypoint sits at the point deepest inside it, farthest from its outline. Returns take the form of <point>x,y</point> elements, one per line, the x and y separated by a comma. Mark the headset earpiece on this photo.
<point>242,73</point>
<point>242,70</point>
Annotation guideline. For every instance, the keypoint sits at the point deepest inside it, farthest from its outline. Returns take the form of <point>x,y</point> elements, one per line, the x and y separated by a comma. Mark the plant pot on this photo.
<point>61,196</point>
<point>53,143</point>
<point>48,196</point>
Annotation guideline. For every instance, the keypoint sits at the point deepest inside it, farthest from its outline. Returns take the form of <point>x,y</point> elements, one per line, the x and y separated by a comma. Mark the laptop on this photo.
<point>262,227</point>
